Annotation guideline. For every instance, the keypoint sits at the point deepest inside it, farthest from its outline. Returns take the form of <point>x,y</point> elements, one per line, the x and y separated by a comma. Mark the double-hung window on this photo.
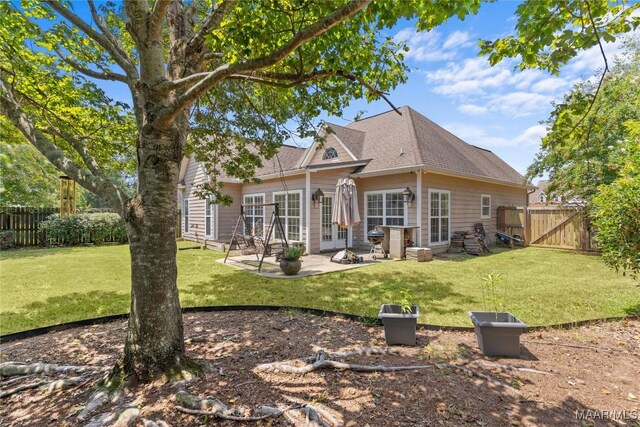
<point>290,209</point>
<point>384,208</point>
<point>439,216</point>
<point>254,214</point>
<point>185,215</point>
<point>485,206</point>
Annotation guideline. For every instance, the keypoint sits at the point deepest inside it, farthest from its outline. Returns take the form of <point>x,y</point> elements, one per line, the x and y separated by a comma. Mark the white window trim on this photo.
<point>283,209</point>
<point>264,211</point>
<point>213,217</point>
<point>384,208</point>
<point>349,229</point>
<point>482,216</point>
<point>324,154</point>
<point>542,197</point>
<point>439,242</point>
<point>185,216</point>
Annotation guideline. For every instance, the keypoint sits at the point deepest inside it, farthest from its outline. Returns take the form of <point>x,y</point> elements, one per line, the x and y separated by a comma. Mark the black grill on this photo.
<point>375,236</point>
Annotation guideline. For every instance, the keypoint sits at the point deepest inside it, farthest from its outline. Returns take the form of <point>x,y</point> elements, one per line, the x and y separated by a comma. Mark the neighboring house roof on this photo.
<point>541,196</point>
<point>389,141</point>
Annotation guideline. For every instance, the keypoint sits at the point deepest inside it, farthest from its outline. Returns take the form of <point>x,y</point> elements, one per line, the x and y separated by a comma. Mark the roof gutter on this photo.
<point>389,171</point>
<point>316,168</point>
<point>284,173</point>
<point>474,177</point>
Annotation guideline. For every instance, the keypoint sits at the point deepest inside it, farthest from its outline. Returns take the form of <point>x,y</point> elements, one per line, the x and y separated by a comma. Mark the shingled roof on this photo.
<point>390,141</point>
<point>394,141</point>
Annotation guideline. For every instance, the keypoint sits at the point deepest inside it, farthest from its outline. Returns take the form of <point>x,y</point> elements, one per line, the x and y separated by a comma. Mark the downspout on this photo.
<point>419,207</point>
<point>307,198</point>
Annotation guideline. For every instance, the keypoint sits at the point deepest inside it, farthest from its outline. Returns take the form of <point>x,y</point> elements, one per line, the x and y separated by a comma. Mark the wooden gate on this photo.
<point>563,227</point>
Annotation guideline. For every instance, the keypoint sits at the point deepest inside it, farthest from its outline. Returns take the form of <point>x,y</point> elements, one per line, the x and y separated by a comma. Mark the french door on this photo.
<point>331,236</point>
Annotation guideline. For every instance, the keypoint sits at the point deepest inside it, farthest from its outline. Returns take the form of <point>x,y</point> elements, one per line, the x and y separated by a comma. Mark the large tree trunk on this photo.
<point>154,343</point>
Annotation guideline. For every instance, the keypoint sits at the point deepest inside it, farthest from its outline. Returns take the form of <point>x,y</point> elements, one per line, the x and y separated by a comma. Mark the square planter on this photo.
<point>399,327</point>
<point>498,334</point>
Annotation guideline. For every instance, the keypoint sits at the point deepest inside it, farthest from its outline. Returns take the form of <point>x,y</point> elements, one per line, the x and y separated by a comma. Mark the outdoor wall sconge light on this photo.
<point>317,197</point>
<point>409,196</point>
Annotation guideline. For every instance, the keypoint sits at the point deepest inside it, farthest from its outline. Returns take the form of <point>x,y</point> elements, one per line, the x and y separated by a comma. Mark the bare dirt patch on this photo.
<point>595,367</point>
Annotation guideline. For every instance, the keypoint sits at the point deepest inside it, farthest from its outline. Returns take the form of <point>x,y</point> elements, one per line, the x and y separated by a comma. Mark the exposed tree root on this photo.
<point>18,389</point>
<point>322,354</point>
<point>193,405</point>
<point>10,370</point>
<point>158,423</point>
<point>323,364</point>
<point>492,365</point>
<point>322,361</point>
<point>45,385</point>
<point>583,347</point>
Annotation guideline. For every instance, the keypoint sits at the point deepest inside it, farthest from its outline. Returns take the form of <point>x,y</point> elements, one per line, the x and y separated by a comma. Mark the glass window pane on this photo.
<point>293,229</point>
<point>435,205</point>
<point>435,230</point>
<point>373,223</point>
<point>293,205</point>
<point>444,207</point>
<point>444,229</point>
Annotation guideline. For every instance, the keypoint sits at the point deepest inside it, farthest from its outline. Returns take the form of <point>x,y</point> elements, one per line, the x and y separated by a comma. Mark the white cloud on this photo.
<point>428,46</point>
<point>519,104</point>
<point>484,137</point>
<point>550,84</point>
<point>475,110</point>
<point>457,39</point>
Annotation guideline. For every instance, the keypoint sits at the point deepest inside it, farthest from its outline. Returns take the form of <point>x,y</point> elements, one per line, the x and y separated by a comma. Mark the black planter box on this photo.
<point>498,334</point>
<point>399,327</point>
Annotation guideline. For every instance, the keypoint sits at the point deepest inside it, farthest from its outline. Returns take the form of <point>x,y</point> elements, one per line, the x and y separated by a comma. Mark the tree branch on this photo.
<point>287,80</point>
<point>91,73</point>
<point>210,22</point>
<point>116,52</point>
<point>99,185</point>
<point>157,15</point>
<point>317,28</point>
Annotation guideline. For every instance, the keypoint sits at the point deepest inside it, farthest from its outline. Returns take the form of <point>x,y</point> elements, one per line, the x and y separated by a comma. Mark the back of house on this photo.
<point>453,185</point>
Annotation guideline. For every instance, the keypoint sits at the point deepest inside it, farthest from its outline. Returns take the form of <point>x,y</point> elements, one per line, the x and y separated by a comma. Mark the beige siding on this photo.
<point>326,181</point>
<point>194,176</point>
<point>383,183</point>
<point>268,187</point>
<point>225,217</point>
<point>228,215</point>
<point>465,202</point>
<point>331,142</point>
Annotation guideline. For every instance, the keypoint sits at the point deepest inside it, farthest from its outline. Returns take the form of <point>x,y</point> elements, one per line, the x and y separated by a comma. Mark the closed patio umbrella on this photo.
<point>345,213</point>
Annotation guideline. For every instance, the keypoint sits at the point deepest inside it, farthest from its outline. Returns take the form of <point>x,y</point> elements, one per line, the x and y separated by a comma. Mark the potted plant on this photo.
<point>400,320</point>
<point>290,263</point>
<point>498,331</point>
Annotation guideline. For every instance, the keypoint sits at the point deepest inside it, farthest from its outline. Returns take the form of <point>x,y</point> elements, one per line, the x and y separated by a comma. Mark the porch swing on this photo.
<point>254,242</point>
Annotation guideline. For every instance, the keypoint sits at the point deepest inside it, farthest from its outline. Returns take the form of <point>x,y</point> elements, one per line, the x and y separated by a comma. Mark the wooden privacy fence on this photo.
<point>24,222</point>
<point>564,227</point>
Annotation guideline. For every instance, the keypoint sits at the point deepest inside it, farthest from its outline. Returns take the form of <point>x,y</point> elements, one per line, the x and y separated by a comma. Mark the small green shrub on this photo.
<point>405,301</point>
<point>6,239</point>
<point>293,252</point>
<point>494,291</point>
<point>84,228</point>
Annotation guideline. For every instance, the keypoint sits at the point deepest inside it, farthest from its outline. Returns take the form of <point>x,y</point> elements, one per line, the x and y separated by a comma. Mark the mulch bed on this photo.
<point>594,367</point>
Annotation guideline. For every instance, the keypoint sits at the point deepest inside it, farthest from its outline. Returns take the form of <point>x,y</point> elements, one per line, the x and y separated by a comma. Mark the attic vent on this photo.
<point>330,153</point>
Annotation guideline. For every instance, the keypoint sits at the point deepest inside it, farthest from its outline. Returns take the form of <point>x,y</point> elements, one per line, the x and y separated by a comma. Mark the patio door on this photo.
<point>331,236</point>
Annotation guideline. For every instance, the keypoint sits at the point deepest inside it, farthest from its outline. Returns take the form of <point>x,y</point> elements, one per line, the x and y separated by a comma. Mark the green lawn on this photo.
<point>48,286</point>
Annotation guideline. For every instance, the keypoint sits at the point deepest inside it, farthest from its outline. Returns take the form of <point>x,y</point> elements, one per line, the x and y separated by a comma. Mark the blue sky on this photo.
<point>497,107</point>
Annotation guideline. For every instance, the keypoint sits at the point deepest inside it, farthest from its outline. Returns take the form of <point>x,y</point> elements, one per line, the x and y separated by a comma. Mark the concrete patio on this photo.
<point>311,264</point>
